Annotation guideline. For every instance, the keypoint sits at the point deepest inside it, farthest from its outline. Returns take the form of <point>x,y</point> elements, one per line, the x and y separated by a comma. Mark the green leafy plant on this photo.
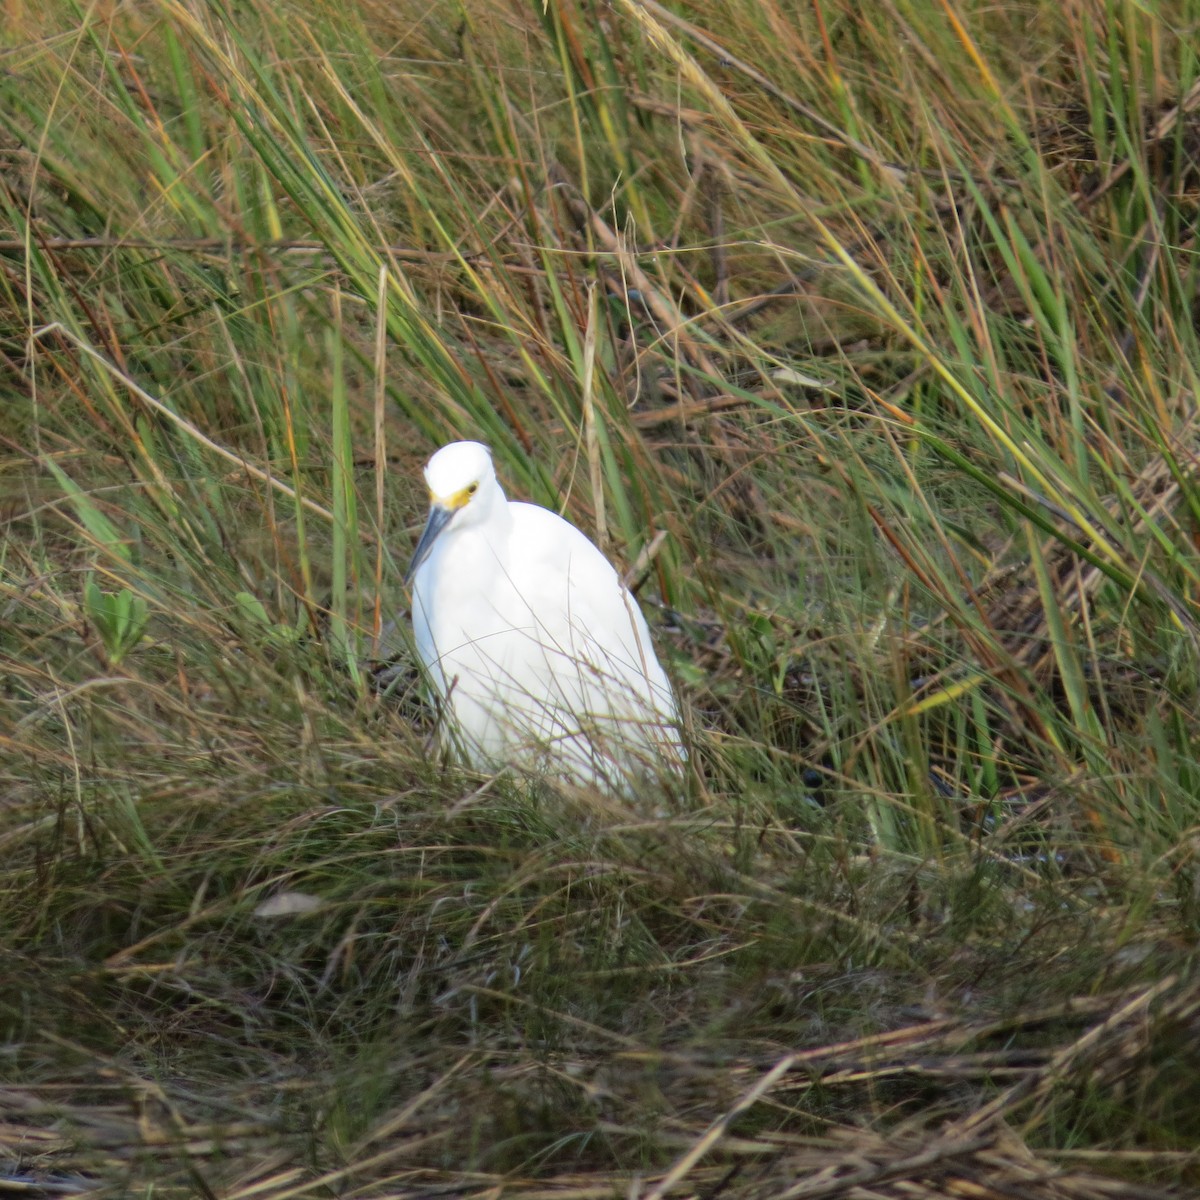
<point>119,618</point>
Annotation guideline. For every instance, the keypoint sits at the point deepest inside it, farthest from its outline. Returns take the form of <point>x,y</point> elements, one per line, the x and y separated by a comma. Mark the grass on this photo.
<point>869,347</point>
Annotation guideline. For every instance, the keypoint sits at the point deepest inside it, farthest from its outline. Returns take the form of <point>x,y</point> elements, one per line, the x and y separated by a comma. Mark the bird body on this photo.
<point>536,651</point>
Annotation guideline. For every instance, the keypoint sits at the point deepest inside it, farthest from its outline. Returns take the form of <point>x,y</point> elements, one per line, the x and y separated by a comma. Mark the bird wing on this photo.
<point>591,616</point>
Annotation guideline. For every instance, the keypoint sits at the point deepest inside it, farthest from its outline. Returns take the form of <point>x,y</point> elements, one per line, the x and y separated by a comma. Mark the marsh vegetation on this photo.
<point>865,341</point>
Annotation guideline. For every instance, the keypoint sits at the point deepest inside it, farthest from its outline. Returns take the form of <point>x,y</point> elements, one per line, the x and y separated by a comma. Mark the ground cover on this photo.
<point>865,342</point>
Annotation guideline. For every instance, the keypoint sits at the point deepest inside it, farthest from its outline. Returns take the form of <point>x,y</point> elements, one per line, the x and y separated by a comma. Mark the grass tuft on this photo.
<point>867,346</point>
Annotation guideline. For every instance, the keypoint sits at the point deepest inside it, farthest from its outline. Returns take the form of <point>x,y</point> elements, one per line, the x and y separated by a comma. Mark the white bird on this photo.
<point>537,653</point>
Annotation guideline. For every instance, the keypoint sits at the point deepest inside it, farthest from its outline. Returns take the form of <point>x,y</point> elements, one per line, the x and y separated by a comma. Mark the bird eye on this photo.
<point>472,489</point>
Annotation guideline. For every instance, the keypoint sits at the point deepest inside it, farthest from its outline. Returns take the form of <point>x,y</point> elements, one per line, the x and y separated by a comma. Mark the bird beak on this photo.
<point>439,518</point>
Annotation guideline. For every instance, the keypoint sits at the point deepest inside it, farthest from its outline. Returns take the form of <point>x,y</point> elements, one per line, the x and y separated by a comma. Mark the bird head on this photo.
<point>463,491</point>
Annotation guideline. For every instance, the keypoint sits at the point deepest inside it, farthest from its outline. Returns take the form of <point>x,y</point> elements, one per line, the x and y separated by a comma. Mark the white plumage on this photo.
<point>537,653</point>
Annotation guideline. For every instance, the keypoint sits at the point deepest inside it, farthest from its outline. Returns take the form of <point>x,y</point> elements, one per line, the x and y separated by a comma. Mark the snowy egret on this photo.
<point>536,651</point>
